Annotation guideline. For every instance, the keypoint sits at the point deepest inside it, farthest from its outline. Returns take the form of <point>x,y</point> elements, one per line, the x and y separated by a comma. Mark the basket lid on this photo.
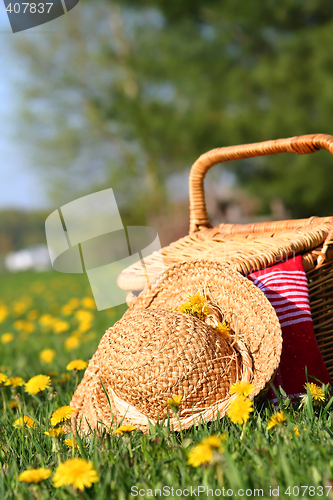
<point>246,248</point>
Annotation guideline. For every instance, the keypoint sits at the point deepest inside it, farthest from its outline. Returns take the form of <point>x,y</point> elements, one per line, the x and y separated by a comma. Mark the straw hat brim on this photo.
<point>245,308</point>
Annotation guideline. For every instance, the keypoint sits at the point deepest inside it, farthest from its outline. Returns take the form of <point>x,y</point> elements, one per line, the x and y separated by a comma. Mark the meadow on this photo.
<point>48,320</point>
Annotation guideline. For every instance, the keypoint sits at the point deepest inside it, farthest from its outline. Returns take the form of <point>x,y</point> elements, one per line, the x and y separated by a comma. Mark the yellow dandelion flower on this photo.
<point>46,320</point>
<point>71,343</point>
<point>19,307</point>
<point>296,432</point>
<point>72,443</point>
<point>3,378</point>
<point>77,364</point>
<point>88,303</point>
<point>84,316</point>
<point>174,402</point>
<point>242,388</point>
<point>240,409</point>
<point>64,378</point>
<point>66,310</point>
<point>13,404</point>
<point>54,433</point>
<point>3,312</point>
<point>6,338</point>
<point>37,384</point>
<point>125,429</point>
<point>223,329</point>
<point>73,302</point>
<point>26,326</point>
<point>84,326</point>
<point>196,305</point>
<point>214,441</point>
<point>200,454</point>
<point>76,472</point>
<point>277,419</point>
<point>61,414</point>
<point>34,475</point>
<point>24,421</point>
<point>47,355</point>
<point>32,315</point>
<point>60,326</point>
<point>318,395</point>
<point>15,381</point>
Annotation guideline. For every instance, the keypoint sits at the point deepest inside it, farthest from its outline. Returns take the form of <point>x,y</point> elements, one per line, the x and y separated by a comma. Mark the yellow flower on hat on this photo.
<point>223,329</point>
<point>34,475</point>
<point>196,305</point>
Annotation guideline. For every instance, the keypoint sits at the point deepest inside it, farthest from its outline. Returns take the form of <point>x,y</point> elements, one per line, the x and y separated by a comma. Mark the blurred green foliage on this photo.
<point>127,93</point>
<point>21,229</point>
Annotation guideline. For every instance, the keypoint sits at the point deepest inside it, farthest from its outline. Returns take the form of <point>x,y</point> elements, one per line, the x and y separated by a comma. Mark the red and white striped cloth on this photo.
<point>286,287</point>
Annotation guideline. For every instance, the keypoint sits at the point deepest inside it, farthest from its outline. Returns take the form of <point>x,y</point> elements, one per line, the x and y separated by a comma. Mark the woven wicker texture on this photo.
<point>154,353</point>
<point>245,251</point>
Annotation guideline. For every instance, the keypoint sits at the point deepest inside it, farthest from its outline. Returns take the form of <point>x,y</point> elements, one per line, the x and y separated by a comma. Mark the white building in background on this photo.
<point>34,258</point>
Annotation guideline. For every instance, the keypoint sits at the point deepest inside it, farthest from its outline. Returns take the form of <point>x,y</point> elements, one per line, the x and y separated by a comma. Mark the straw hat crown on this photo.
<point>151,355</point>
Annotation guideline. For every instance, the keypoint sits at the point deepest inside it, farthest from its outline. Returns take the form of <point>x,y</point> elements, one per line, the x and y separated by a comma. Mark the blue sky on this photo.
<point>19,184</point>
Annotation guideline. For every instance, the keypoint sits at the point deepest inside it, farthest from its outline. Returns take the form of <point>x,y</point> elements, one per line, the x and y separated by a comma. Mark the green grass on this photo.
<point>261,460</point>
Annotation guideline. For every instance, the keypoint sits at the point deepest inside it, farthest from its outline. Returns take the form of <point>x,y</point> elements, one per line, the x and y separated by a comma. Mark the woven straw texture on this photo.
<point>154,353</point>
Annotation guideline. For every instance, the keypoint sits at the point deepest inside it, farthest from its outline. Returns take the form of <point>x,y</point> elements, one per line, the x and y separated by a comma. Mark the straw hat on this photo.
<point>156,352</point>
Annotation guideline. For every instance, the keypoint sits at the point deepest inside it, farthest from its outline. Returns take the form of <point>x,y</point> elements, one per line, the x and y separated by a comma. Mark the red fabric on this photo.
<point>285,286</point>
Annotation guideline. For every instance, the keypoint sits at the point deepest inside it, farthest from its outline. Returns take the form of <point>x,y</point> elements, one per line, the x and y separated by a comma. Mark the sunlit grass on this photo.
<point>44,313</point>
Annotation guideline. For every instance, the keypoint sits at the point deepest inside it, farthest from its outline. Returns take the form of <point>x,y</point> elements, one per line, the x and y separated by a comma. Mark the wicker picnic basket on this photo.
<point>252,247</point>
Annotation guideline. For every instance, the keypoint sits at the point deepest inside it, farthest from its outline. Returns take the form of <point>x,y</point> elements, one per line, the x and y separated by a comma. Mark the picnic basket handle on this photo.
<point>300,145</point>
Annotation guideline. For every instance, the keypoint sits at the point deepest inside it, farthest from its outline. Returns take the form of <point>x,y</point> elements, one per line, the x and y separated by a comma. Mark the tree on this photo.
<point>131,92</point>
